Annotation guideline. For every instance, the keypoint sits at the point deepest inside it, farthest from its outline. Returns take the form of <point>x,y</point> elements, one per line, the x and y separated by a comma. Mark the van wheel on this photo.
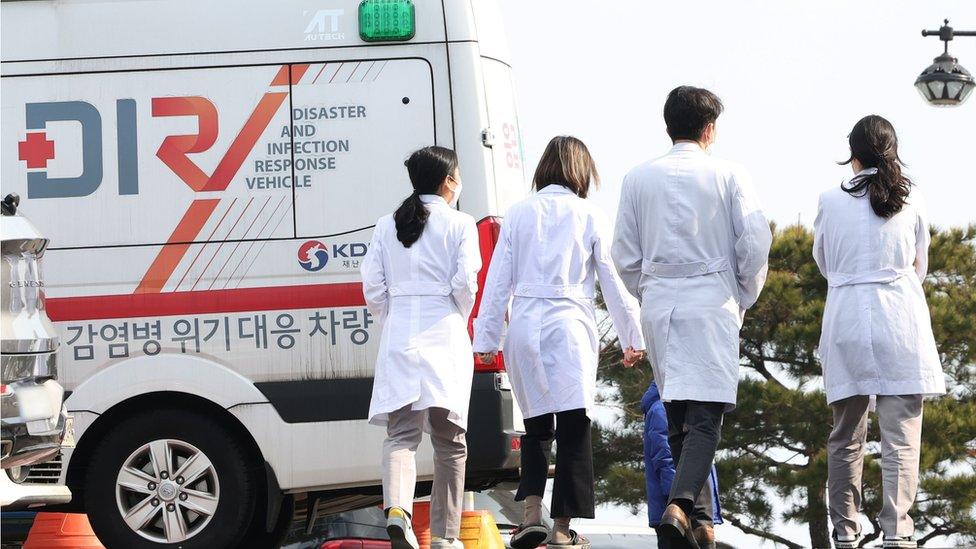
<point>170,478</point>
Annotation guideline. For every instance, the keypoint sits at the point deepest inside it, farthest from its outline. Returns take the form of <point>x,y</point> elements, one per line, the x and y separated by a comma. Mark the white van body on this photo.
<point>209,174</point>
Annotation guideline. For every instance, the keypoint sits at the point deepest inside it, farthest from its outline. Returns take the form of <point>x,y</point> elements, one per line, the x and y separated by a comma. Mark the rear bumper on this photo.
<point>494,430</point>
<point>15,496</point>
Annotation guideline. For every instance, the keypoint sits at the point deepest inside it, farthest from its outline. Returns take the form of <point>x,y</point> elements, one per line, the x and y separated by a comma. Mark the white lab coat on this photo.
<point>692,243</point>
<point>876,337</point>
<point>552,247</point>
<point>423,296</point>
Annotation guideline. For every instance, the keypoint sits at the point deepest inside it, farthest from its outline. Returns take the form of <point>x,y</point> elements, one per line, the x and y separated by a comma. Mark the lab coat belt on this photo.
<point>684,270</point>
<point>420,288</point>
<point>880,276</point>
<point>554,291</point>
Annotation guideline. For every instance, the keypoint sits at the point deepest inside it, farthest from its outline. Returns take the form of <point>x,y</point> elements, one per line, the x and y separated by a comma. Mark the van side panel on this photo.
<point>87,29</point>
<point>237,241</point>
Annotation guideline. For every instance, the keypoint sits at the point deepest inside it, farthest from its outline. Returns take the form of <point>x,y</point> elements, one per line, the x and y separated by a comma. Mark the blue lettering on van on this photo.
<point>355,249</point>
<point>37,149</point>
<point>39,185</point>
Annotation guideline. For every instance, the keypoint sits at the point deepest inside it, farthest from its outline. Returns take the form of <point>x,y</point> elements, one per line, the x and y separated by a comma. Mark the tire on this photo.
<point>222,495</point>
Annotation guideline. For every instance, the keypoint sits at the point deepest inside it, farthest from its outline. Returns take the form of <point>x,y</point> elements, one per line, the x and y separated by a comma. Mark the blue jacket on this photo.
<point>658,463</point>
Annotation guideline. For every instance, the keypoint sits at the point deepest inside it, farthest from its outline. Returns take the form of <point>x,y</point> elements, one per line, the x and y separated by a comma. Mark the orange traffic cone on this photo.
<point>421,523</point>
<point>61,531</point>
<point>478,531</point>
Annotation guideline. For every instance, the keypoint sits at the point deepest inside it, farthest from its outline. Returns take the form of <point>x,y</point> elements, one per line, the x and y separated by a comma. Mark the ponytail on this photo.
<point>427,168</point>
<point>875,145</point>
<point>410,219</point>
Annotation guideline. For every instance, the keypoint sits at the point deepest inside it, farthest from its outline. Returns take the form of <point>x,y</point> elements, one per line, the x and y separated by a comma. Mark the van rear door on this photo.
<point>507,154</point>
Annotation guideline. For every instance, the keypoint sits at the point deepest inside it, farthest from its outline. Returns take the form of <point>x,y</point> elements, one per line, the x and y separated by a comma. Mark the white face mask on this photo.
<point>457,194</point>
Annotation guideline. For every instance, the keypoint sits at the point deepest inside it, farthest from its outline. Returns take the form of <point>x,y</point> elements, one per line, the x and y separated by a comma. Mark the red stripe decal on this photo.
<point>244,142</point>
<point>199,251</point>
<point>281,78</point>
<point>297,72</point>
<point>275,298</point>
<point>221,245</point>
<point>170,255</point>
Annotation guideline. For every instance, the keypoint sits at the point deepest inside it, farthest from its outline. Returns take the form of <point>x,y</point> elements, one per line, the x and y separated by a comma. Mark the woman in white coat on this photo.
<point>420,280</point>
<point>551,249</point>
<point>871,243</point>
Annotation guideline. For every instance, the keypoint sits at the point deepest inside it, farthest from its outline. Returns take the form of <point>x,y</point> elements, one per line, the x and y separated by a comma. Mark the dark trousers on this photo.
<point>572,493</point>
<point>694,429</point>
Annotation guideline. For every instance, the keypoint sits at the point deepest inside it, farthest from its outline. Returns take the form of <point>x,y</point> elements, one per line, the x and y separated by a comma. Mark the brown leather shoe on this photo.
<point>676,525</point>
<point>705,536</point>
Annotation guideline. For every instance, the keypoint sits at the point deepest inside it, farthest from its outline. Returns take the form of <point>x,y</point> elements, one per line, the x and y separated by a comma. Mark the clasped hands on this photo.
<point>631,357</point>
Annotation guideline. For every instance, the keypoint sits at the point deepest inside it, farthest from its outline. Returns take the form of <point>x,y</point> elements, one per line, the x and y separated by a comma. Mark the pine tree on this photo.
<point>774,444</point>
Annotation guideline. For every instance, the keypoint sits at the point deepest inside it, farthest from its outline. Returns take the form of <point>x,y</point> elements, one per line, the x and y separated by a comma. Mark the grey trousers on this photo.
<point>900,420</point>
<point>403,435</point>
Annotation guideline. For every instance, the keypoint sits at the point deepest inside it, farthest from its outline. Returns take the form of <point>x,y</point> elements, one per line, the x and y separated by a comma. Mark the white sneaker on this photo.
<point>846,542</point>
<point>441,543</point>
<point>907,542</point>
<point>400,530</point>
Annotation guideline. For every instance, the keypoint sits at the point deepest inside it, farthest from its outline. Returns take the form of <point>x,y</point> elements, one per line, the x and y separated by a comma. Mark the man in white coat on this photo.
<point>692,244</point>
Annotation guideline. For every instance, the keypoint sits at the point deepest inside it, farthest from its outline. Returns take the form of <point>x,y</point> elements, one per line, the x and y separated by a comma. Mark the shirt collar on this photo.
<point>555,188</point>
<point>687,146</point>
<point>861,174</point>
<point>432,199</point>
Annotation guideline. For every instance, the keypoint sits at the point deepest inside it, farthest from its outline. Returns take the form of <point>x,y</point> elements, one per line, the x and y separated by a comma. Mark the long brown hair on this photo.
<point>874,144</point>
<point>567,162</point>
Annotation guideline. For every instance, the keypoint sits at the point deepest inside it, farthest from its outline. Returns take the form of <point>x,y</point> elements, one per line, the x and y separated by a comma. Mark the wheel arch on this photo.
<point>83,452</point>
<point>146,382</point>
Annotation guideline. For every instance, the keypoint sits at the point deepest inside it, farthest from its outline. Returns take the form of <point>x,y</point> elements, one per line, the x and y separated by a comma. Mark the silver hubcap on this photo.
<point>167,491</point>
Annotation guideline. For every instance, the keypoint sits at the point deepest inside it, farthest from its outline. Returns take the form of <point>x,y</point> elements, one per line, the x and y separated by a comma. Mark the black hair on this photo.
<point>427,168</point>
<point>688,110</point>
<point>875,145</point>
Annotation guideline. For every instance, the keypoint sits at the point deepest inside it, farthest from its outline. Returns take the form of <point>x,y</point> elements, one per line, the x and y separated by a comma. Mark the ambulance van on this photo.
<point>208,174</point>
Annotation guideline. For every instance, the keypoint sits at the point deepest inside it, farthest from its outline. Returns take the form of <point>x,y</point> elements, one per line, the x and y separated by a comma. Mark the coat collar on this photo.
<point>687,146</point>
<point>850,183</point>
<point>555,188</point>
<point>432,199</point>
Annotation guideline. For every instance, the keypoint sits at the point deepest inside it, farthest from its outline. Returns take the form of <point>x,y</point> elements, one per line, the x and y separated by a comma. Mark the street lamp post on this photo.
<point>945,83</point>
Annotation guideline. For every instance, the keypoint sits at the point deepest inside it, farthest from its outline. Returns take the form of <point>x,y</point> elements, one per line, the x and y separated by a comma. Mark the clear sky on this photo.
<point>794,77</point>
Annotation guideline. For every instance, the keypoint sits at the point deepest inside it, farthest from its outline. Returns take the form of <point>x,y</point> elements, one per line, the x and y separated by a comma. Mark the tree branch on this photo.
<point>737,522</point>
<point>936,533</point>
<point>758,363</point>
<point>770,461</point>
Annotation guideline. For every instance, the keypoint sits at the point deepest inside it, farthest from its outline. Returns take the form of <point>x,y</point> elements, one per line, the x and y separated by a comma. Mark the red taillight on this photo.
<point>488,230</point>
<point>4,389</point>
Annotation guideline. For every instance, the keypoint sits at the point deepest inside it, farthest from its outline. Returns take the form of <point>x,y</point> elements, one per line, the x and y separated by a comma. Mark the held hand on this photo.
<point>487,358</point>
<point>632,357</point>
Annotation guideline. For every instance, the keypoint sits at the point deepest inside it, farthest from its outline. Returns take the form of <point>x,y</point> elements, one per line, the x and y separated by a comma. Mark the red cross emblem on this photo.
<point>37,149</point>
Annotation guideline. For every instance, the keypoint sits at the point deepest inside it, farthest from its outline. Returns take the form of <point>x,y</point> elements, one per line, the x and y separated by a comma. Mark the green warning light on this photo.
<point>386,20</point>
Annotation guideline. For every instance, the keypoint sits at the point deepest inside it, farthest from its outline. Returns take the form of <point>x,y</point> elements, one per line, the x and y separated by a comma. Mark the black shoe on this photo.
<point>529,536</point>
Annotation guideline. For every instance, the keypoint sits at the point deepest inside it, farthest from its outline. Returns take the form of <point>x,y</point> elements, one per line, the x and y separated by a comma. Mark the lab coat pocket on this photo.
<point>703,351</point>
<point>849,342</point>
